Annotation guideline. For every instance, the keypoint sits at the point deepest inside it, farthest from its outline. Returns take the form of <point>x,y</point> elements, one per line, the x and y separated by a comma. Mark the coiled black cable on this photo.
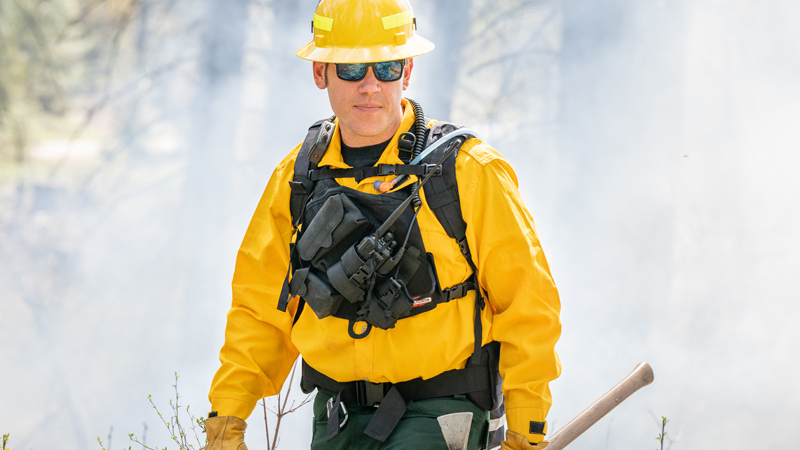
<point>419,144</point>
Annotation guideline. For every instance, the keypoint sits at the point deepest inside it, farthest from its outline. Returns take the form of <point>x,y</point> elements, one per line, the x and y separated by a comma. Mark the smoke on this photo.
<point>672,240</point>
<point>655,144</point>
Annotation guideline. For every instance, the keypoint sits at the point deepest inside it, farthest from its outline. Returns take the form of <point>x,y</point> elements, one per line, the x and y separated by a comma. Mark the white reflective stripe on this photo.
<point>498,423</point>
<point>323,23</point>
<point>397,20</point>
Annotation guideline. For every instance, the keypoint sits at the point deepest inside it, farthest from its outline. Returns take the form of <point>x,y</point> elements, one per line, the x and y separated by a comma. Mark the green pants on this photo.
<point>418,428</point>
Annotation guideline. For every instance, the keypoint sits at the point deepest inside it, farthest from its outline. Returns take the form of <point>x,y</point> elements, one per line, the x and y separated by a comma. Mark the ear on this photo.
<point>407,72</point>
<point>319,74</point>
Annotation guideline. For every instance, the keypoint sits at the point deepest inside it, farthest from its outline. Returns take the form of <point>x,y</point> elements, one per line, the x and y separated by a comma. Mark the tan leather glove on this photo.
<point>516,441</point>
<point>225,433</point>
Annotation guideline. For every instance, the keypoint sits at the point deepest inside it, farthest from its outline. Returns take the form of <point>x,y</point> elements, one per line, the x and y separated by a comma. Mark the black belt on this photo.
<point>391,398</point>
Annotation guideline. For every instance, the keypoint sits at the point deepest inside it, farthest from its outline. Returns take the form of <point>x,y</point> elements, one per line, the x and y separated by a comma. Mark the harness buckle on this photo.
<point>387,169</point>
<point>457,291</point>
<point>463,245</point>
<point>369,393</point>
<point>361,275</point>
<point>437,171</point>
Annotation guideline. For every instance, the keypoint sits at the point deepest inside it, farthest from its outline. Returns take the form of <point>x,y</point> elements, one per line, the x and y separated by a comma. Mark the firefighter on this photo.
<point>395,254</point>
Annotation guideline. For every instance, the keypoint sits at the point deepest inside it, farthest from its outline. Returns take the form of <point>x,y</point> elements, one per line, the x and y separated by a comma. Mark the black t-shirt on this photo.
<point>363,156</point>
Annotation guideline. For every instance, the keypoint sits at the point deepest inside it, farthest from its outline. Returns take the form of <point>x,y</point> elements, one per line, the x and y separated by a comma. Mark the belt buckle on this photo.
<point>369,394</point>
<point>329,406</point>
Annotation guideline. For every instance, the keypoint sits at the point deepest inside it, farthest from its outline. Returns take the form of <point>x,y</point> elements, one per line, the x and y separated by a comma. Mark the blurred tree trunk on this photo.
<point>211,140</point>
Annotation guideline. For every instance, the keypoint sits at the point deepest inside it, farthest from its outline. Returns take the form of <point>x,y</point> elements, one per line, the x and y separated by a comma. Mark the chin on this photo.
<point>370,131</point>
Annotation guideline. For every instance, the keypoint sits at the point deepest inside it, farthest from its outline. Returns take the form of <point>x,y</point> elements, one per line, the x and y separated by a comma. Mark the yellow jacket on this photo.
<point>261,345</point>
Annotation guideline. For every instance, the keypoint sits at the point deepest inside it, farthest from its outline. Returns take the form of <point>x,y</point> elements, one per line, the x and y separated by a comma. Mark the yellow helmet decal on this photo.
<point>323,23</point>
<point>398,20</point>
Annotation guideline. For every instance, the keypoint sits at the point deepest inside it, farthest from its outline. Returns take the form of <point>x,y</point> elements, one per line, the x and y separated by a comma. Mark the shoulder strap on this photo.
<point>442,192</point>
<point>443,199</point>
<point>314,146</point>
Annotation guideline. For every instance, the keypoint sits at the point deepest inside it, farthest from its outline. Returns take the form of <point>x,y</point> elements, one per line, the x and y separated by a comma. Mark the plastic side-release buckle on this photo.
<point>457,291</point>
<point>437,170</point>
<point>387,169</point>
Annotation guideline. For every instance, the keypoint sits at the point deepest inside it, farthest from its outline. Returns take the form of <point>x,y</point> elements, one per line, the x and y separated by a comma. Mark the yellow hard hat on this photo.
<point>362,31</point>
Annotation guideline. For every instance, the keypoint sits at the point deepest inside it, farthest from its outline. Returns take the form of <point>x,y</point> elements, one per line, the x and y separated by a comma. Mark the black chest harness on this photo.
<point>360,257</point>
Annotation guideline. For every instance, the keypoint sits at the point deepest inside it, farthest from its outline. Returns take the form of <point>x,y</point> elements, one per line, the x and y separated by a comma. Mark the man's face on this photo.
<point>369,110</point>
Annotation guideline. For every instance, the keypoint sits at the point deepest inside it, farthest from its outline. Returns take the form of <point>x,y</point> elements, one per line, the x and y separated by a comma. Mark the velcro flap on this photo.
<point>298,284</point>
<point>320,231</point>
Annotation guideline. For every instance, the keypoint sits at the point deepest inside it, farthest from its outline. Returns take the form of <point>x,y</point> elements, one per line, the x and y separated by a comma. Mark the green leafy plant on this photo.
<point>5,441</point>
<point>174,425</point>
<point>663,434</point>
<point>186,438</point>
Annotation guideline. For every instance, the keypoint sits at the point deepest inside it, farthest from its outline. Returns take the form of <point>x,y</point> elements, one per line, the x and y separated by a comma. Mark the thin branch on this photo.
<point>266,421</point>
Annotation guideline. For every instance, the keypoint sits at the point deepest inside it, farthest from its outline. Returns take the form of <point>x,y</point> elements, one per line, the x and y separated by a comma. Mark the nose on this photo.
<point>369,84</point>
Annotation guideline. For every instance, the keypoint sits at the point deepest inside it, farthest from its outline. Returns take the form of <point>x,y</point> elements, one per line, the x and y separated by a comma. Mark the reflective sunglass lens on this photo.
<point>384,71</point>
<point>388,70</point>
<point>351,72</point>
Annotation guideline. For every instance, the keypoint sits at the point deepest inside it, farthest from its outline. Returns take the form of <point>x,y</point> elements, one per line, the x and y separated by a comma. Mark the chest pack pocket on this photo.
<point>345,266</point>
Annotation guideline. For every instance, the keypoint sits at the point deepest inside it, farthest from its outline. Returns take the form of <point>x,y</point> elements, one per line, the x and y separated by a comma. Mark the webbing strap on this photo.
<point>453,382</point>
<point>333,422</point>
<point>301,186</point>
<point>391,398</point>
<point>284,296</point>
<point>441,193</point>
<point>475,359</point>
<point>387,416</point>
<point>360,173</point>
<point>443,198</point>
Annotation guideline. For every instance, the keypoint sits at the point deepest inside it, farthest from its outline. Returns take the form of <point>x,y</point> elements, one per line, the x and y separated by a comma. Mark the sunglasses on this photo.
<point>384,70</point>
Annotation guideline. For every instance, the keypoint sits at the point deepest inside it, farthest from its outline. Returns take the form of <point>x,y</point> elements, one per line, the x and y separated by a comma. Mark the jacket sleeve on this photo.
<point>514,273</point>
<point>258,354</point>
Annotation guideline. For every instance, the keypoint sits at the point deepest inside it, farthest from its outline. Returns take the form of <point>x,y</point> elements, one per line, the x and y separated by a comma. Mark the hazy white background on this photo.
<point>656,145</point>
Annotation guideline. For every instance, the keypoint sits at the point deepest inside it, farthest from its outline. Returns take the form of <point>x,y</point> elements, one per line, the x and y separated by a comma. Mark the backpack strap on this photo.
<point>442,192</point>
<point>314,146</point>
<point>360,173</point>
<point>443,199</point>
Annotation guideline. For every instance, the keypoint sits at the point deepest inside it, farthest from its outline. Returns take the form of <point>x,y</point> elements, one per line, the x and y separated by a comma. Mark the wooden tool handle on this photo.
<point>641,376</point>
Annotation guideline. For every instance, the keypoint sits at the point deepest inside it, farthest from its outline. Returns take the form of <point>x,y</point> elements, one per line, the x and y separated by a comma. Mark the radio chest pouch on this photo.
<point>337,264</point>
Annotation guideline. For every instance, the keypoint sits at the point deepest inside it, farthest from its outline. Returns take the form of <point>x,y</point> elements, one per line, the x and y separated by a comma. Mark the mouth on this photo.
<point>367,107</point>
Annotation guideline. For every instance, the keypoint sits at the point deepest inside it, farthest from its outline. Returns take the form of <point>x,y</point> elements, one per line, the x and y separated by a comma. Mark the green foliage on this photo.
<point>174,425</point>
<point>5,441</point>
<point>663,434</point>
